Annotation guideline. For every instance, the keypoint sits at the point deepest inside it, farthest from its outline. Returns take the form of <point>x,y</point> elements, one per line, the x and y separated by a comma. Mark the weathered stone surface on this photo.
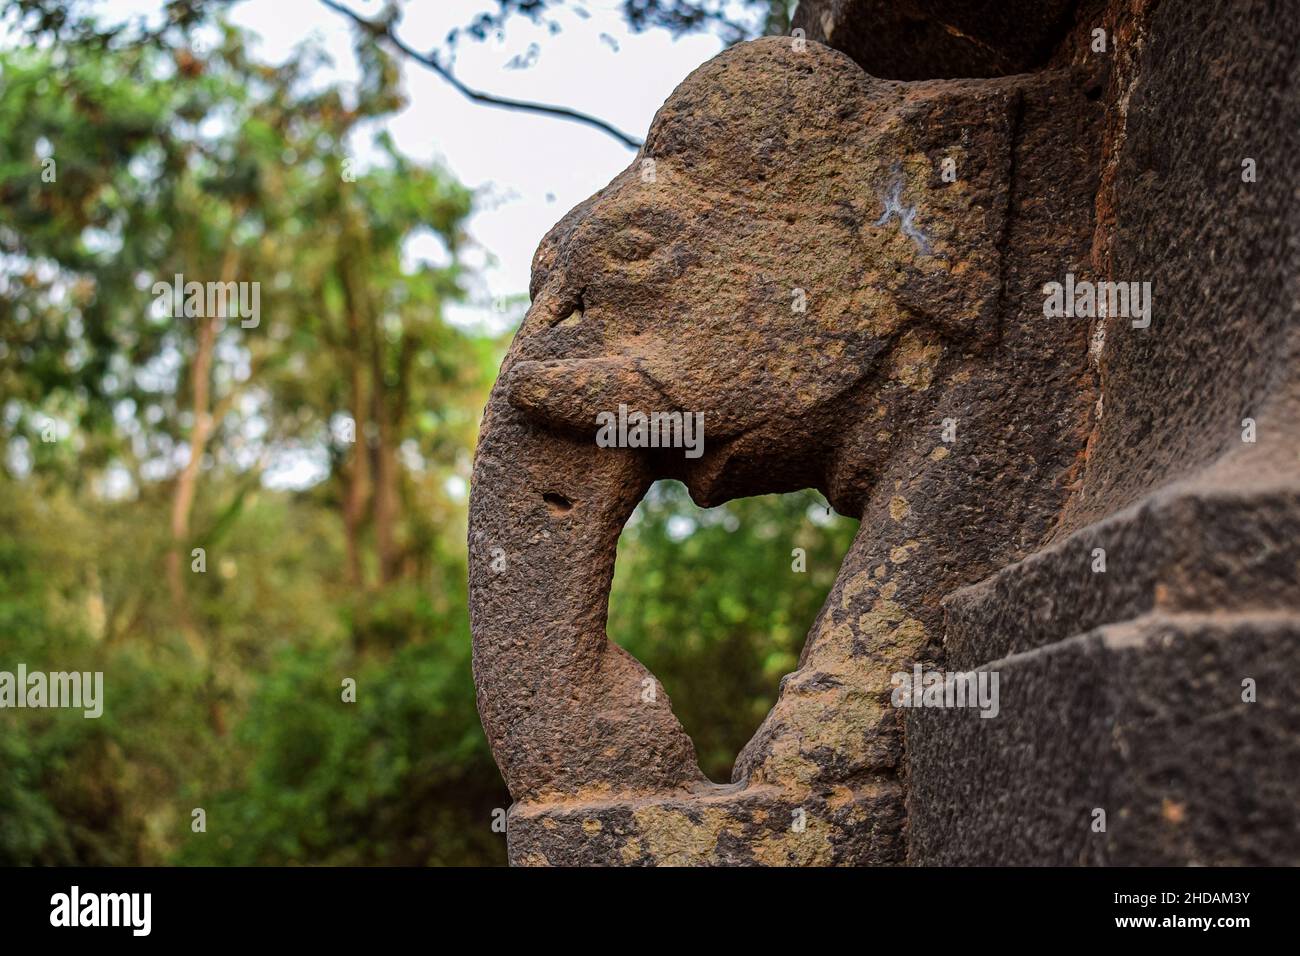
<point>988,450</point>
<point>1183,550</point>
<point>726,826</point>
<point>1143,720</point>
<point>929,39</point>
<point>1124,690</point>
<point>1194,90</point>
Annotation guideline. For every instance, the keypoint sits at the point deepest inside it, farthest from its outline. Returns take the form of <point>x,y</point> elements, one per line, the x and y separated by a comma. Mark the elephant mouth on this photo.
<point>615,403</point>
<point>571,395</point>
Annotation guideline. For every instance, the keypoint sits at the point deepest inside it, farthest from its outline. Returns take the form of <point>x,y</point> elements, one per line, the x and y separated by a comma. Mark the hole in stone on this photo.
<point>709,601</point>
<point>558,504</point>
<point>573,315</point>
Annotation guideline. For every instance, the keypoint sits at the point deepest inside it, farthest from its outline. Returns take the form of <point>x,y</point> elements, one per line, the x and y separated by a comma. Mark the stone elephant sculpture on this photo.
<point>843,275</point>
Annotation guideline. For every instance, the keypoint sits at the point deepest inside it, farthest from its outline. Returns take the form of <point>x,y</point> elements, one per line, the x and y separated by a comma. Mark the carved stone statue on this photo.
<point>845,276</point>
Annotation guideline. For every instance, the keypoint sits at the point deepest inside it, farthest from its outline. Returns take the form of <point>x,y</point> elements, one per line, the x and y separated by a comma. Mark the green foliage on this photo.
<point>709,601</point>
<point>401,776</point>
<point>222,686</point>
<point>74,790</point>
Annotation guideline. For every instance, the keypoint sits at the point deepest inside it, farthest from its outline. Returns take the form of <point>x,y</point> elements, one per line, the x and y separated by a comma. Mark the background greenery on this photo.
<point>223,686</point>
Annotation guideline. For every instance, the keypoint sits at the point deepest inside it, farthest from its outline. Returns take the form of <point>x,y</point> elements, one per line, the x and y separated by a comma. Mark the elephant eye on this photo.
<point>632,244</point>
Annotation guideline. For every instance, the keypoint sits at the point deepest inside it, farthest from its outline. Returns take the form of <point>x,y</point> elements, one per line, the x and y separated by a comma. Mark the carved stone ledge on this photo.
<point>1160,691</point>
<point>1185,550</point>
<point>715,825</point>
<point>1142,720</point>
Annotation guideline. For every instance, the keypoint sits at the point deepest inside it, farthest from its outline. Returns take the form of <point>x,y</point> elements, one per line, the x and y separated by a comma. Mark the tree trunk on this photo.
<point>187,481</point>
<point>358,474</point>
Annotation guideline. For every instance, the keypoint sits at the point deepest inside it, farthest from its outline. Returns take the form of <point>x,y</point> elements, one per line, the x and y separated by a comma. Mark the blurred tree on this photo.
<point>157,433</point>
<point>732,20</point>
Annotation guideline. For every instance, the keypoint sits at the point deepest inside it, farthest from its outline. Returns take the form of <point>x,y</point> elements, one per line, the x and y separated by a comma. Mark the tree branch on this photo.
<point>385,32</point>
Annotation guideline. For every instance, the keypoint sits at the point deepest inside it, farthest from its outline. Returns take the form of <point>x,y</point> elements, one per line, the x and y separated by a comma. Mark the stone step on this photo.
<point>1147,721</point>
<point>1182,550</point>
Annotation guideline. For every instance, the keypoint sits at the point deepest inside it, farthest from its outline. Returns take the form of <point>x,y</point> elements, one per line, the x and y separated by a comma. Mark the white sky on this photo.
<point>529,169</point>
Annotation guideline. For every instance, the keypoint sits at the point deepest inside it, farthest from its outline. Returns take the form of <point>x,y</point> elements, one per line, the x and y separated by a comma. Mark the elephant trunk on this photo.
<point>565,709</point>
